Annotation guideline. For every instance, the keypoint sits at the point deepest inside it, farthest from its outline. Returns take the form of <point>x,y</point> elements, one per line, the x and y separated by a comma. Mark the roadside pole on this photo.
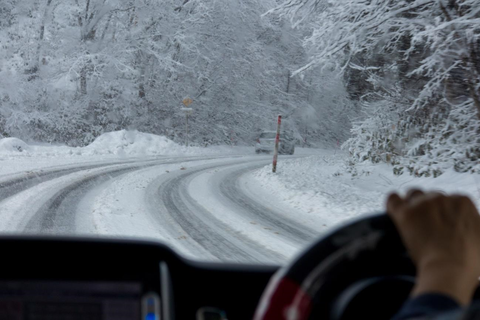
<point>186,113</point>
<point>277,140</point>
<point>187,102</point>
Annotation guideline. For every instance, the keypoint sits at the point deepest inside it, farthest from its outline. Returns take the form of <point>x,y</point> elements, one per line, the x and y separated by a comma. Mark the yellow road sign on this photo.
<point>187,102</point>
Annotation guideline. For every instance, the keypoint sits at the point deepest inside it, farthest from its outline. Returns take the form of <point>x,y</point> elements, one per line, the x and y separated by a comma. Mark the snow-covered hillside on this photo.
<point>72,70</point>
<point>413,67</point>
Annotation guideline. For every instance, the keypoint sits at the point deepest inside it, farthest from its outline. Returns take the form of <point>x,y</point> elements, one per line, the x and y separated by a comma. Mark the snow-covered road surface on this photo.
<point>197,204</point>
<point>216,204</point>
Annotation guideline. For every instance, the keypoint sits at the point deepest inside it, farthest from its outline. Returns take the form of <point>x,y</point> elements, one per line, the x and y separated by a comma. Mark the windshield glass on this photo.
<point>142,118</point>
<point>268,135</point>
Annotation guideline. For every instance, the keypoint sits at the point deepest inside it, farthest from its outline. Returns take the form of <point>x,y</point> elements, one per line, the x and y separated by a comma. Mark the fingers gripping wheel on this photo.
<point>361,267</point>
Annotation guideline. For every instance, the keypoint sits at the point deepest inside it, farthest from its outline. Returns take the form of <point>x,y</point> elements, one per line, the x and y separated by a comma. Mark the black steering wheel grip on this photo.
<point>358,271</point>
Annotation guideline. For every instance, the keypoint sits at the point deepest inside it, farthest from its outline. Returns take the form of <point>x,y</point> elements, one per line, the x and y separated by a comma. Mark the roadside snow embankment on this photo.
<point>324,186</point>
<point>12,146</point>
<point>18,156</point>
<point>133,143</point>
<point>118,143</point>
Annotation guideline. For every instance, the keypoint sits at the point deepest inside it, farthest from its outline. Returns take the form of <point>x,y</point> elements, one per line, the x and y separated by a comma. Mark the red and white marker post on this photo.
<point>277,140</point>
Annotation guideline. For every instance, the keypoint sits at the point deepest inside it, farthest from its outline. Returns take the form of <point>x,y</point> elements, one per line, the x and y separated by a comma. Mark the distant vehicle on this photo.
<point>266,143</point>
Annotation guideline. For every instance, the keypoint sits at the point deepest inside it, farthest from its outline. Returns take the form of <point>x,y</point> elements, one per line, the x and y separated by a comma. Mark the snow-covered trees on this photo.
<point>413,66</point>
<point>73,69</point>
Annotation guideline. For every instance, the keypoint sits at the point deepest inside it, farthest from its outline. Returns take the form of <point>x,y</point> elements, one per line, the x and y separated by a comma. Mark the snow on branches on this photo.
<point>427,52</point>
<point>71,70</point>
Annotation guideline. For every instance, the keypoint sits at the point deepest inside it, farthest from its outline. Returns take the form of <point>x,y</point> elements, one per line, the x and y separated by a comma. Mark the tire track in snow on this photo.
<point>229,187</point>
<point>175,208</point>
<point>266,224</point>
<point>203,228</point>
<point>11,187</point>
<point>57,215</point>
<point>200,226</point>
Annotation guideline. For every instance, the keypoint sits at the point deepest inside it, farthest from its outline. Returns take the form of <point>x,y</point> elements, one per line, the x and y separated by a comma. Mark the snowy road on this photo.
<point>200,205</point>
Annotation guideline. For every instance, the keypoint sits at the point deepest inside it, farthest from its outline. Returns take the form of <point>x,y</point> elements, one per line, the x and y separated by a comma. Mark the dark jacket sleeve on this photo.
<point>426,305</point>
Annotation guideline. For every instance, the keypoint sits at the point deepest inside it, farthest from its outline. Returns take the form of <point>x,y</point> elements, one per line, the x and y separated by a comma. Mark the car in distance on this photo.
<point>266,143</point>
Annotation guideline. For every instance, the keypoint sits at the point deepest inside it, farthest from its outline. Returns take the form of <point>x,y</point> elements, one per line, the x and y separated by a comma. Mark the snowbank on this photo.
<point>330,191</point>
<point>12,145</point>
<point>118,143</point>
<point>133,143</point>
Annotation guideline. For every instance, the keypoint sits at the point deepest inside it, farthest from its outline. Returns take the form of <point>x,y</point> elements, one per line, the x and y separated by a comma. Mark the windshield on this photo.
<point>268,135</point>
<point>142,118</point>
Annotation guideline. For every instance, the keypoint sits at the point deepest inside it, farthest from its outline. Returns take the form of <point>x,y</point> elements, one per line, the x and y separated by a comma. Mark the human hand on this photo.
<point>442,236</point>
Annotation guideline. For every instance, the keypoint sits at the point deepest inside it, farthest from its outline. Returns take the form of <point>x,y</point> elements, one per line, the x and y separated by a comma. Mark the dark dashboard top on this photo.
<point>184,286</point>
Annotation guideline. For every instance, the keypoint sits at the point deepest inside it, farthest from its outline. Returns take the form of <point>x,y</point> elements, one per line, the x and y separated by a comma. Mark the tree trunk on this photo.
<point>474,79</point>
<point>476,98</point>
<point>288,81</point>
<point>38,58</point>
<point>83,80</point>
<point>87,34</point>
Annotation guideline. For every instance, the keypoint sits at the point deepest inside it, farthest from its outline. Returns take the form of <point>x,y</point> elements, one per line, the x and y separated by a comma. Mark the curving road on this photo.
<point>200,205</point>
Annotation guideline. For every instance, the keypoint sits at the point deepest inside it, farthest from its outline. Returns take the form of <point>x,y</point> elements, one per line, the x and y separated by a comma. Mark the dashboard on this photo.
<point>32,299</point>
<point>106,279</point>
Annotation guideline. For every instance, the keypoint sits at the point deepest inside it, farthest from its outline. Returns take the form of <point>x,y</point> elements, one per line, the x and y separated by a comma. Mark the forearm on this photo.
<point>426,305</point>
<point>445,278</point>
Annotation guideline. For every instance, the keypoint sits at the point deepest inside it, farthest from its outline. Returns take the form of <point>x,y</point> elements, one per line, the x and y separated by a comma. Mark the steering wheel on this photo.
<point>358,268</point>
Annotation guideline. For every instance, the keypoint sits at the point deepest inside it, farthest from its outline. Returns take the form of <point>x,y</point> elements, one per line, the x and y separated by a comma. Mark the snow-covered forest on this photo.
<point>412,66</point>
<point>397,81</point>
<point>71,70</point>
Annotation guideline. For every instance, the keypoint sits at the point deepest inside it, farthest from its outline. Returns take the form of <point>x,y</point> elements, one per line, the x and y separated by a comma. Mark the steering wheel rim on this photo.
<point>312,285</point>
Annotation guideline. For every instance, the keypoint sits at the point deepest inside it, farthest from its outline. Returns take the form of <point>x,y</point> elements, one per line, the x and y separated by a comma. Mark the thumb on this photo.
<point>394,205</point>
